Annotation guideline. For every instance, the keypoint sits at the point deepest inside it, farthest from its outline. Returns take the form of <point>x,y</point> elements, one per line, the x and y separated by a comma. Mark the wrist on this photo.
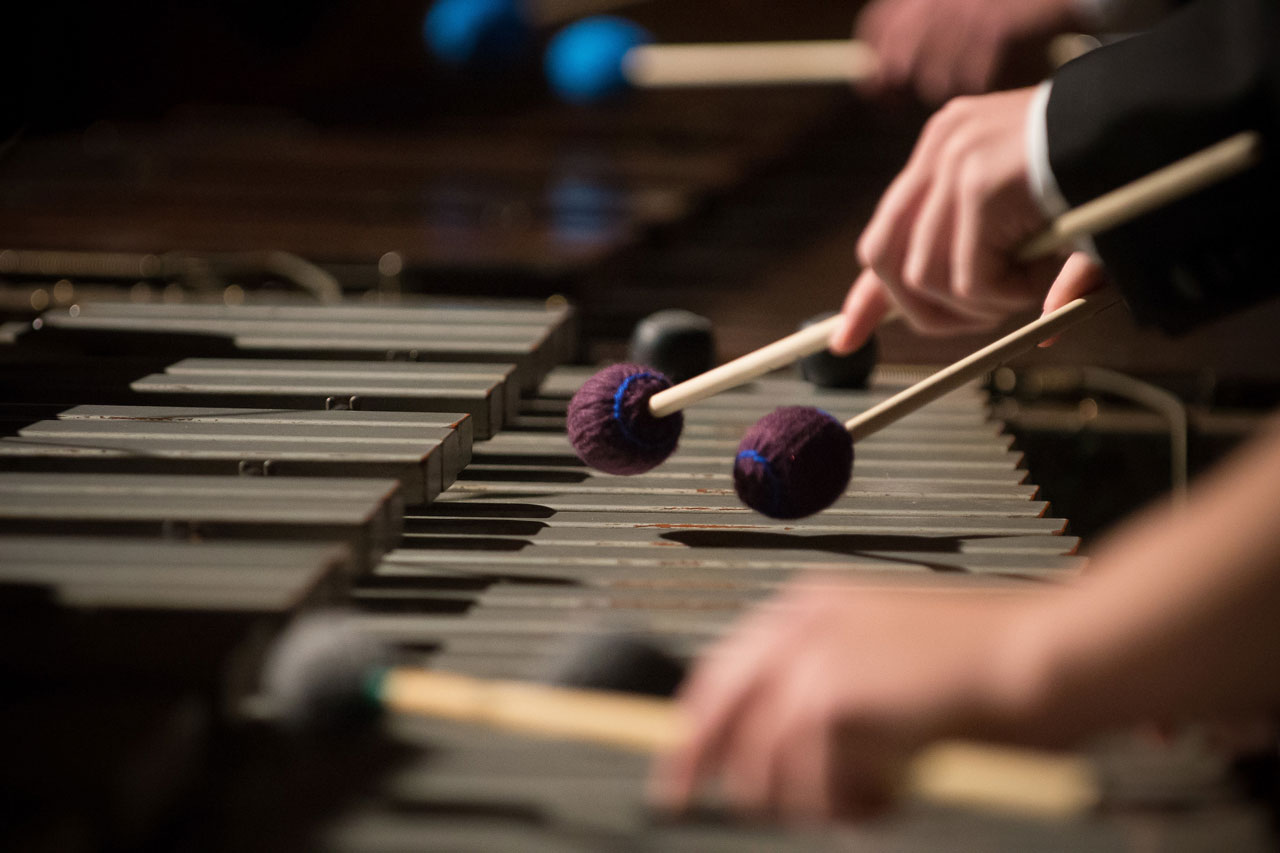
<point>1023,698</point>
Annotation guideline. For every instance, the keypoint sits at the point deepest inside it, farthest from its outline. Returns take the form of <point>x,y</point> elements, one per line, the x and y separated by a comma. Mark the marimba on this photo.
<point>179,480</point>
<point>224,468</point>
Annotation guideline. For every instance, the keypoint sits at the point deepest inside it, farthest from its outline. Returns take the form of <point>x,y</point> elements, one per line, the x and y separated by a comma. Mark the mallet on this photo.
<point>798,460</point>
<point>324,674</point>
<point>493,34</point>
<point>678,344</point>
<point>605,55</point>
<point>599,57</point>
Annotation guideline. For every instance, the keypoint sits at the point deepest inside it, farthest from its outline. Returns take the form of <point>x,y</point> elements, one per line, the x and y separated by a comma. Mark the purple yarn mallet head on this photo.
<point>610,426</point>
<point>793,462</point>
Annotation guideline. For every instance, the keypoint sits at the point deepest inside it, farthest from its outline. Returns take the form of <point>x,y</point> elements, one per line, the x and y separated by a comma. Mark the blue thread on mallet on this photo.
<point>620,416</point>
<point>805,458</point>
<point>770,475</point>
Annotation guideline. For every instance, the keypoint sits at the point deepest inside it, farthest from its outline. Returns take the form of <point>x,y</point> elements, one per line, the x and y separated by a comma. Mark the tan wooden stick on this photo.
<point>637,723</point>
<point>972,366</point>
<point>957,773</point>
<point>1179,179</point>
<point>662,66</point>
<point>743,369</point>
<point>1193,172</point>
<point>749,63</point>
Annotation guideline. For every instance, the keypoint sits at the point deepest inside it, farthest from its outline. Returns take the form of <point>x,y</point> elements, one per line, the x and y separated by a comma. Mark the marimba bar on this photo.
<point>129,442</point>
<point>365,514</point>
<point>455,434</point>
<point>133,573</point>
<point>536,338</point>
<point>485,396</point>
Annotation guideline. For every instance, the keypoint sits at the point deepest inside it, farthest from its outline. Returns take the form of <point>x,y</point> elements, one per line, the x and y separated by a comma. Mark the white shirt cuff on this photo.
<point>1044,186</point>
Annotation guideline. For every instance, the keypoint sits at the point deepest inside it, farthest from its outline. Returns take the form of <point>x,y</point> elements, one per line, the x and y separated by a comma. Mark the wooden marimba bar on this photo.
<point>169,501</point>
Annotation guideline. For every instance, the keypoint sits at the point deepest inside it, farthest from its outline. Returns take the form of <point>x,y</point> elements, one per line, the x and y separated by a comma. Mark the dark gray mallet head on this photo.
<point>676,343</point>
<point>839,371</point>
<point>322,673</point>
<point>617,661</point>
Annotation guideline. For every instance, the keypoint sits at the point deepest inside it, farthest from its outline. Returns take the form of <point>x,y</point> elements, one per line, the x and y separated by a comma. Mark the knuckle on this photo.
<point>942,121</point>
<point>951,110</point>
<point>870,248</point>
<point>915,275</point>
<point>966,284</point>
<point>974,184</point>
<point>957,151</point>
<point>918,285</point>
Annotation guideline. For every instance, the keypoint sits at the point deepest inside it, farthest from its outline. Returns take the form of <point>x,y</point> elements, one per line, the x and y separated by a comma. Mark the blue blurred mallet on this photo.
<point>478,33</point>
<point>600,57</point>
<point>493,35</point>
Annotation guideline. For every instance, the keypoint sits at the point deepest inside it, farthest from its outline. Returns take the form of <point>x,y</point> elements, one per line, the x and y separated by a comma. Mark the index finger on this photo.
<point>866,305</point>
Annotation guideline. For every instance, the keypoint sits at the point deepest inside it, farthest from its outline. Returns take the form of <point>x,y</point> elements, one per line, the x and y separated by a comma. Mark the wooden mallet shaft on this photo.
<point>1122,204</point>
<point>1179,179</point>
<point>659,66</point>
<point>957,773</point>
<point>666,66</point>
<point>743,369</point>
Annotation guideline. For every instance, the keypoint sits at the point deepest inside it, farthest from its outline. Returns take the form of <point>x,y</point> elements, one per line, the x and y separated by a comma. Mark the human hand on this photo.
<point>942,48</point>
<point>942,244</point>
<point>811,709</point>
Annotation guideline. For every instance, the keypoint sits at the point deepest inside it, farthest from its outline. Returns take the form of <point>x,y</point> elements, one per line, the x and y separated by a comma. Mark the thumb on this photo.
<point>864,308</point>
<point>1080,275</point>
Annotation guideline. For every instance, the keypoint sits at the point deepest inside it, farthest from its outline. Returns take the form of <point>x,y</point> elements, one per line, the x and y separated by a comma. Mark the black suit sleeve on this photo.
<point>1206,72</point>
